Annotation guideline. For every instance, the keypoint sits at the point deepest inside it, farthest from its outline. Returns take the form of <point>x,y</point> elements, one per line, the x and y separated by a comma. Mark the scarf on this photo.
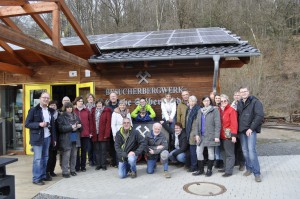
<point>98,113</point>
<point>205,110</point>
<point>90,106</point>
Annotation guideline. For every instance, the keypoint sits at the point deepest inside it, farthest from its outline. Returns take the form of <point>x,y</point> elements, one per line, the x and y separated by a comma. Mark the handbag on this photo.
<point>227,133</point>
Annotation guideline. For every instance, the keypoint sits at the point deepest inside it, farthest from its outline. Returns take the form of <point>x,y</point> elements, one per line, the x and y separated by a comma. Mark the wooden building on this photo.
<point>146,64</point>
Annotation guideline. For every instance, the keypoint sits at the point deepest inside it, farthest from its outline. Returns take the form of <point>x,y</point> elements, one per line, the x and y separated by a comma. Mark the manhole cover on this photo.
<point>204,188</point>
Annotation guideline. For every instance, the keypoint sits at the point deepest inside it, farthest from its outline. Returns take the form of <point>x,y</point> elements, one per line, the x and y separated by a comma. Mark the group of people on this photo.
<point>227,131</point>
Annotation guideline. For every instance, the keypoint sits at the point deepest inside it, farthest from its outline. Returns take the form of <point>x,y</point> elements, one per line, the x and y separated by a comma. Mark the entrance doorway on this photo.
<point>60,91</point>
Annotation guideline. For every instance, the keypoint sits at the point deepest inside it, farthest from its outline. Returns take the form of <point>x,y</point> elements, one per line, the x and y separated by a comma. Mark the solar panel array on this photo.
<point>181,37</point>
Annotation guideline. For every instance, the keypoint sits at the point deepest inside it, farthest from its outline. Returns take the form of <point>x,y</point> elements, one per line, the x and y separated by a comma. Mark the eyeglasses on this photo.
<point>223,101</point>
<point>80,101</point>
<point>45,97</point>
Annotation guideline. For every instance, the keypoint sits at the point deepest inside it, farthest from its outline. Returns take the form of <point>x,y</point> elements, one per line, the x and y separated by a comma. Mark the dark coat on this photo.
<point>65,123</point>
<point>85,118</point>
<point>183,143</point>
<point>189,121</point>
<point>104,125</point>
<point>135,142</point>
<point>111,106</point>
<point>33,120</point>
<point>152,143</point>
<point>212,126</point>
<point>250,114</point>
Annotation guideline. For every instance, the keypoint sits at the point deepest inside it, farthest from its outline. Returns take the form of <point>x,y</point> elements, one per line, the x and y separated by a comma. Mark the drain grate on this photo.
<point>204,188</point>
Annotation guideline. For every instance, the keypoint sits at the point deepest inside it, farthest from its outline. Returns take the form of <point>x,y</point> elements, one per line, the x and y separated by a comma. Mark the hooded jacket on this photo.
<point>148,108</point>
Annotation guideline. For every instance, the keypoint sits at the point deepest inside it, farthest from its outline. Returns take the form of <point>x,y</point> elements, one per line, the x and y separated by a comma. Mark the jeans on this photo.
<point>151,165</point>
<point>40,159</point>
<point>218,153</point>
<point>249,150</point>
<point>126,166</point>
<point>181,157</point>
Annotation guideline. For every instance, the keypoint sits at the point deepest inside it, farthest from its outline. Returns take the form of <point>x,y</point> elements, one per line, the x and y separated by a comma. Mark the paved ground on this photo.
<point>279,158</point>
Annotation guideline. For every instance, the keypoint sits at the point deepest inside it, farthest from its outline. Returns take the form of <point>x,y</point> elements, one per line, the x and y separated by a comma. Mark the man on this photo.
<point>40,121</point>
<point>129,144</point>
<point>113,103</point>
<point>236,98</point>
<point>250,117</point>
<point>156,145</point>
<point>182,107</point>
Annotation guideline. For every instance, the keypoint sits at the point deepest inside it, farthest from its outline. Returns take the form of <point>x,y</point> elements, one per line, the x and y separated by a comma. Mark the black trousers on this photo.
<point>112,151</point>
<point>100,151</point>
<point>51,159</point>
<point>91,154</point>
<point>239,156</point>
<point>82,153</point>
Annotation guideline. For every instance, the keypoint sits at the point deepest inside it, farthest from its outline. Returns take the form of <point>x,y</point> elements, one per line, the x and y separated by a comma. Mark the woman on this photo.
<point>69,127</point>
<point>168,109</point>
<point>101,122</point>
<point>90,98</point>
<point>179,144</point>
<point>208,126</point>
<point>228,134</point>
<point>190,129</point>
<point>118,115</point>
<point>85,135</point>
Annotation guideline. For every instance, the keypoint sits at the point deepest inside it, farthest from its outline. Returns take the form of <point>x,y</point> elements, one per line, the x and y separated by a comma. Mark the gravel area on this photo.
<point>278,148</point>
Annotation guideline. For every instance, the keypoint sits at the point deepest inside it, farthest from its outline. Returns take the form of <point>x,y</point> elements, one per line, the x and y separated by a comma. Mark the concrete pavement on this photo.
<point>280,175</point>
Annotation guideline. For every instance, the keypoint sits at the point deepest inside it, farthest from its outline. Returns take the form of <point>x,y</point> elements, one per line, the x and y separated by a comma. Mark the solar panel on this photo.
<point>181,37</point>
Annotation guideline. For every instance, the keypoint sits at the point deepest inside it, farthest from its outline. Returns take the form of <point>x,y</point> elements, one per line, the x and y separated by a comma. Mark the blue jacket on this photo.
<point>34,117</point>
<point>147,118</point>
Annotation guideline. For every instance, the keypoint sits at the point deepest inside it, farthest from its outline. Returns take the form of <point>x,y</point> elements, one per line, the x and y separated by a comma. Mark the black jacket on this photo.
<point>135,142</point>
<point>183,144</point>
<point>33,119</point>
<point>190,119</point>
<point>250,114</point>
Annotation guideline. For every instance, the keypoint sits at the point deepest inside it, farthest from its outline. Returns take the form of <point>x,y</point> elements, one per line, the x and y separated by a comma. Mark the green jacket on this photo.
<point>181,113</point>
<point>148,108</point>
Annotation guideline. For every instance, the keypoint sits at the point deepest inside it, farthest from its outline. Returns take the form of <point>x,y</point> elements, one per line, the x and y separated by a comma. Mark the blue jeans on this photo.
<point>126,166</point>
<point>180,157</point>
<point>193,155</point>
<point>249,150</point>
<point>151,165</point>
<point>40,159</point>
<point>218,153</point>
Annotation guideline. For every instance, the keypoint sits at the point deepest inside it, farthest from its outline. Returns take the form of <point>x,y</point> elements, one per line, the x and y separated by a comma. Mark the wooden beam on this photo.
<point>20,39</point>
<point>11,24</point>
<point>245,60</point>
<point>15,69</point>
<point>37,8</point>
<point>7,48</point>
<point>56,28</point>
<point>12,2</point>
<point>231,64</point>
<point>76,27</point>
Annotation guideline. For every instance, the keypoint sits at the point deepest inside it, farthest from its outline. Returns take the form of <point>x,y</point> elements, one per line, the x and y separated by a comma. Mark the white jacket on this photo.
<point>168,109</point>
<point>117,121</point>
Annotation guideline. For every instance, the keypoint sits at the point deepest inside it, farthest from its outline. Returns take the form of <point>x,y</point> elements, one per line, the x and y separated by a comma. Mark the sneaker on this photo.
<point>65,175</point>
<point>247,173</point>
<point>133,175</point>
<point>257,179</point>
<point>40,182</point>
<point>167,174</point>
<point>73,174</point>
<point>242,167</point>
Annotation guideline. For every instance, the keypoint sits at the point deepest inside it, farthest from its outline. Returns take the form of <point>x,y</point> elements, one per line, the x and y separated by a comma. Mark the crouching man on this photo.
<point>156,146</point>
<point>129,144</point>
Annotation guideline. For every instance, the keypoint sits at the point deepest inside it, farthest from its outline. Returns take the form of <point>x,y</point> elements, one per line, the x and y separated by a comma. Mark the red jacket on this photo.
<point>104,125</point>
<point>229,120</point>
<point>85,118</point>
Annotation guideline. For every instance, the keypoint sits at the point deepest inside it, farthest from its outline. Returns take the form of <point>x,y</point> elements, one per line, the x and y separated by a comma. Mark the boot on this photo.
<point>219,164</point>
<point>209,168</point>
<point>200,168</point>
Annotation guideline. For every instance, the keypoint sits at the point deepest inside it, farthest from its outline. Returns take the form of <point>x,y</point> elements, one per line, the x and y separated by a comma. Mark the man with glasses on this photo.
<point>250,117</point>
<point>129,144</point>
<point>40,121</point>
